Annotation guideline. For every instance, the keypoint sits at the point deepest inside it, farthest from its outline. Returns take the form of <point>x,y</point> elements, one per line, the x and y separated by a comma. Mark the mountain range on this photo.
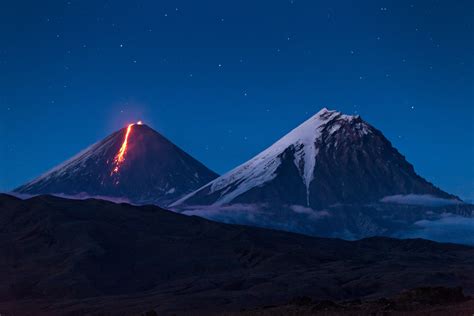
<point>335,175</point>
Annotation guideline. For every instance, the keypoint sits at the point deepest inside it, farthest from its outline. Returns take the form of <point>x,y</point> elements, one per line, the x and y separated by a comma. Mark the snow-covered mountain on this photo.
<point>330,158</point>
<point>135,164</point>
<point>318,179</point>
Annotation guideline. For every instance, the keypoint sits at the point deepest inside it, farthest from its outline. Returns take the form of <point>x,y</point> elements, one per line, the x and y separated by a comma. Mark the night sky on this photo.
<point>225,79</point>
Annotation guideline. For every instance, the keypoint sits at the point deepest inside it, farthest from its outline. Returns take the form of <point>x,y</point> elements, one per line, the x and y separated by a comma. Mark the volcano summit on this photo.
<point>330,158</point>
<point>333,175</point>
<point>136,164</point>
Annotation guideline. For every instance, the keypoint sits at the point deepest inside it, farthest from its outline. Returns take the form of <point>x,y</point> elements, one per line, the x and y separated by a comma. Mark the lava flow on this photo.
<point>120,157</point>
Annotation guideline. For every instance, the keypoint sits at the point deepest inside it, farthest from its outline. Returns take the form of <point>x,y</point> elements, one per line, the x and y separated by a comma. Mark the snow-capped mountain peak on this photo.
<point>262,168</point>
<point>330,158</point>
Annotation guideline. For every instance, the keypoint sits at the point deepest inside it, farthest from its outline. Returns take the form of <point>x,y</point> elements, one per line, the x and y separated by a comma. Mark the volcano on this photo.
<point>330,158</point>
<point>334,175</point>
<point>135,164</point>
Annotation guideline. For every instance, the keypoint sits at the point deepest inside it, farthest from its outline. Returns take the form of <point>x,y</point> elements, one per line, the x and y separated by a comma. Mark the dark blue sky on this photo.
<point>225,79</point>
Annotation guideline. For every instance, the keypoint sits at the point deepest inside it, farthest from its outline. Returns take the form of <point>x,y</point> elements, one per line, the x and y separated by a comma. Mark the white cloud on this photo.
<point>79,196</point>
<point>309,211</point>
<point>448,228</point>
<point>419,199</point>
<point>235,213</point>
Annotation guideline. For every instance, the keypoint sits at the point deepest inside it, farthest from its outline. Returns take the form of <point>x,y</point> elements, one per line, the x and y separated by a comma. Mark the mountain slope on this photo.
<point>70,257</point>
<point>334,176</point>
<point>135,163</point>
<point>331,158</point>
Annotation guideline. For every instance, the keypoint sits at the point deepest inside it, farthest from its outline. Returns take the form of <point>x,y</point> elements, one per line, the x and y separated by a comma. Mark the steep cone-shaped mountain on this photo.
<point>135,163</point>
<point>330,158</point>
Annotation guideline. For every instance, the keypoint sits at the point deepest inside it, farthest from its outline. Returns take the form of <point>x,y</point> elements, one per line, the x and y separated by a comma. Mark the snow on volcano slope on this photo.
<point>330,158</point>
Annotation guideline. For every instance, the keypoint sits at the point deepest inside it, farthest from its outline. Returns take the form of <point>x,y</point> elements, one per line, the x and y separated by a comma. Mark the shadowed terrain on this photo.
<point>431,301</point>
<point>69,257</point>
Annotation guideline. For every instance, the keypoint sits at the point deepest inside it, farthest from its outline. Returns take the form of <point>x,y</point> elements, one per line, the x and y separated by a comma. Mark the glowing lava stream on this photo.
<point>121,154</point>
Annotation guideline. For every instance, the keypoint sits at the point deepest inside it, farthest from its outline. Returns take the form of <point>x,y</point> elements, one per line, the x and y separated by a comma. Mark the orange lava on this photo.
<point>118,160</point>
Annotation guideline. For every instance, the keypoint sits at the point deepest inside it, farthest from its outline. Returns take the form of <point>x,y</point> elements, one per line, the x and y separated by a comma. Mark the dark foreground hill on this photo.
<point>423,301</point>
<point>66,257</point>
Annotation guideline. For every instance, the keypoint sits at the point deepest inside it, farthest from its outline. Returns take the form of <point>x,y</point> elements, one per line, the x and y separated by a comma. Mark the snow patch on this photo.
<point>74,163</point>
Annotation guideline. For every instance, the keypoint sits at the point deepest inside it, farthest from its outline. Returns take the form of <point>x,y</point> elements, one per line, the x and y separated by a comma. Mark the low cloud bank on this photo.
<point>419,199</point>
<point>449,228</point>
<point>313,214</point>
<point>79,196</point>
<point>235,213</point>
